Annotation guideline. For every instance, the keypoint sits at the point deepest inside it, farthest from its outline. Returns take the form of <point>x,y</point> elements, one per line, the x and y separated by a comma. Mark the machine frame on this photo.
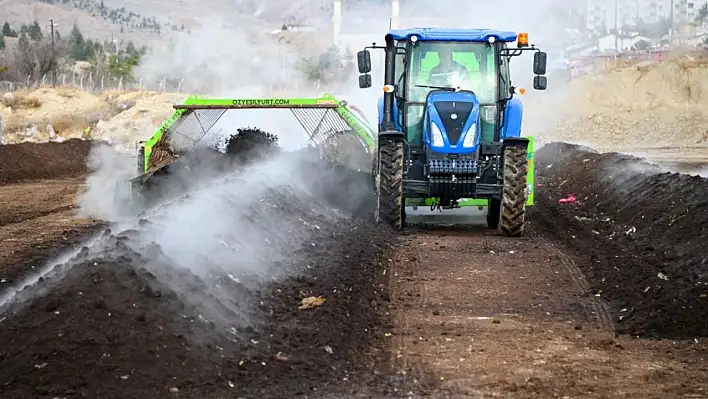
<point>317,126</point>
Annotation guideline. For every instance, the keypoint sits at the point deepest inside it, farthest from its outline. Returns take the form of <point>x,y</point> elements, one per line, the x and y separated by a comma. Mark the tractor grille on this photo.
<point>454,116</point>
<point>448,167</point>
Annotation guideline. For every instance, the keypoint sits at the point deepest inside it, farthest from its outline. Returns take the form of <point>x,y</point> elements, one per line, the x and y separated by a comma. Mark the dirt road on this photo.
<point>478,316</point>
<point>603,298</point>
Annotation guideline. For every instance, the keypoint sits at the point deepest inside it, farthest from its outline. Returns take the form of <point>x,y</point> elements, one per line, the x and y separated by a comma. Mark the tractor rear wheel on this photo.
<point>514,192</point>
<point>389,208</point>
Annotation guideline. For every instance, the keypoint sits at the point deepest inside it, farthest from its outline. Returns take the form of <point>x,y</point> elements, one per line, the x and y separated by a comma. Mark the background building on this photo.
<point>601,14</point>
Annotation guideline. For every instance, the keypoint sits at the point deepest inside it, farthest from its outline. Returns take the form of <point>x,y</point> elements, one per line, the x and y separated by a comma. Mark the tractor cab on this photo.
<point>448,99</point>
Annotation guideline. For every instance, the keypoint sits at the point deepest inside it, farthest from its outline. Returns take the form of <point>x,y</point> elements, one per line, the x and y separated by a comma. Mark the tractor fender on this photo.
<point>396,120</point>
<point>513,115</point>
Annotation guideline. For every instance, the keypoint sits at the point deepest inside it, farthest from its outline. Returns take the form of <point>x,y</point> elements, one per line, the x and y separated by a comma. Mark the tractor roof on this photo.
<point>459,35</point>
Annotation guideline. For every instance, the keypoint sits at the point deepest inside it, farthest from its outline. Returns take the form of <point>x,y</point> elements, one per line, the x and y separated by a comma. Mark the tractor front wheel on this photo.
<point>390,206</point>
<point>514,192</point>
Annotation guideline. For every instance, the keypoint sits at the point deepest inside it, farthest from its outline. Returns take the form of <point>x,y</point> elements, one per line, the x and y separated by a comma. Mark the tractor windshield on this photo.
<point>469,66</point>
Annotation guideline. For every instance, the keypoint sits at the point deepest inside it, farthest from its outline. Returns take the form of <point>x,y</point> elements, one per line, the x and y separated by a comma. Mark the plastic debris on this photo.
<point>570,199</point>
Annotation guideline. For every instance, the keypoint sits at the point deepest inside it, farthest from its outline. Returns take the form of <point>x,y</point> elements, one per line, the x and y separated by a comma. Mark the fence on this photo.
<point>93,83</point>
<point>600,62</point>
<point>99,84</point>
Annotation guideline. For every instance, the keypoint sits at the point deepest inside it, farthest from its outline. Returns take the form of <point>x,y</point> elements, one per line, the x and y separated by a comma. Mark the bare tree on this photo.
<point>31,58</point>
<point>26,57</point>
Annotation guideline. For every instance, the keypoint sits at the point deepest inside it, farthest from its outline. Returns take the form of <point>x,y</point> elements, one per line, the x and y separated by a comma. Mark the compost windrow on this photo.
<point>35,161</point>
<point>639,233</point>
<point>109,323</point>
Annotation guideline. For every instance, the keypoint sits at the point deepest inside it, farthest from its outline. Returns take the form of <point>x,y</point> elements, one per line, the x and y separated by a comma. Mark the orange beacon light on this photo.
<point>522,40</point>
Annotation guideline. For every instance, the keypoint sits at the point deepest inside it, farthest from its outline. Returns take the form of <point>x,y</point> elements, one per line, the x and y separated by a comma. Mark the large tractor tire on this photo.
<point>514,192</point>
<point>390,202</point>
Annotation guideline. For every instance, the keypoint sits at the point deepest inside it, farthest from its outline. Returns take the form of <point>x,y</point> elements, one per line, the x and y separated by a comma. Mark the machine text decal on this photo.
<point>273,101</point>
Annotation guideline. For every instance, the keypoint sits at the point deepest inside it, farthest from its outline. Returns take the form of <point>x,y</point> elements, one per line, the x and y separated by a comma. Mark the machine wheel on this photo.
<point>514,192</point>
<point>493,213</point>
<point>390,205</point>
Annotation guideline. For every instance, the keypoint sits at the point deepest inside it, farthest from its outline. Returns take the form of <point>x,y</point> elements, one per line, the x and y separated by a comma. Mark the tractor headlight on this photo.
<point>437,135</point>
<point>469,138</point>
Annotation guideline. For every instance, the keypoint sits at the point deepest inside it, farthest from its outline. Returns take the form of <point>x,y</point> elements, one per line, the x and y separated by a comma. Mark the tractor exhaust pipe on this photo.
<point>389,79</point>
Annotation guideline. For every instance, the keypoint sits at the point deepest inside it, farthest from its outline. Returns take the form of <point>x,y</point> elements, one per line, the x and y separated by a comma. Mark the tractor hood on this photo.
<point>452,122</point>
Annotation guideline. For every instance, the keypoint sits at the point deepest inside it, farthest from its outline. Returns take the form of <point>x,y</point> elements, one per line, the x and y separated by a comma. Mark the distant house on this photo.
<point>297,28</point>
<point>696,40</point>
<point>577,50</point>
<point>620,42</point>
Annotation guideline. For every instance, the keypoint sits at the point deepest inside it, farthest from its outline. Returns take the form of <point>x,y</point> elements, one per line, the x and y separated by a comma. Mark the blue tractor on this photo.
<point>449,127</point>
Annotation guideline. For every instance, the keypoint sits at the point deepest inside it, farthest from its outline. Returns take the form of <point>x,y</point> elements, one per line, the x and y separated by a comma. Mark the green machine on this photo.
<point>322,119</point>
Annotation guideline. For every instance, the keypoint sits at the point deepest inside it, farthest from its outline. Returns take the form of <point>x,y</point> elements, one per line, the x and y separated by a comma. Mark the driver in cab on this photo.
<point>448,73</point>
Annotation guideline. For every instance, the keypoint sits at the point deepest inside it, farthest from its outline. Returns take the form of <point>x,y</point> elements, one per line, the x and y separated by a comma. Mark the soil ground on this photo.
<point>444,312</point>
<point>38,187</point>
<point>479,317</point>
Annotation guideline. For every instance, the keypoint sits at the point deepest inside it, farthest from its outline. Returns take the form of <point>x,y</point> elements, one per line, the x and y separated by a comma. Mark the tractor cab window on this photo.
<point>469,66</point>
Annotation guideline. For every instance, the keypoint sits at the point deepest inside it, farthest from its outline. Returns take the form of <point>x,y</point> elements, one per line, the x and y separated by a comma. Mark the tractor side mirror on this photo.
<point>539,63</point>
<point>364,81</point>
<point>363,60</point>
<point>540,82</point>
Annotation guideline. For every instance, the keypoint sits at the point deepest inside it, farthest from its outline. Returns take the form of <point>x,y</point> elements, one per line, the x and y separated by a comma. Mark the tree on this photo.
<point>122,66</point>
<point>77,45</point>
<point>702,14</point>
<point>130,49</point>
<point>35,32</point>
<point>326,67</point>
<point>7,31</point>
<point>26,56</point>
<point>2,42</point>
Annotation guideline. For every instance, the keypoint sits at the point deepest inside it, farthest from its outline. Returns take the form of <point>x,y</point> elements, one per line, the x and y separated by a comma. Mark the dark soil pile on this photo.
<point>32,161</point>
<point>120,320</point>
<point>640,234</point>
<point>251,144</point>
<point>113,327</point>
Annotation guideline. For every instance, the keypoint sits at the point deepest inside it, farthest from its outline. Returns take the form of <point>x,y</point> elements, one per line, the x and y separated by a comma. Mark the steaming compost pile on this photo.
<point>250,144</point>
<point>294,309</point>
<point>644,233</point>
<point>31,161</point>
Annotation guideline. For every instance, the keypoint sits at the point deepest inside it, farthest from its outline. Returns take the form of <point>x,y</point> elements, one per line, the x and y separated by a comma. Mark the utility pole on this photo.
<point>616,28</point>
<point>54,68</point>
<point>616,23</point>
<point>671,24</point>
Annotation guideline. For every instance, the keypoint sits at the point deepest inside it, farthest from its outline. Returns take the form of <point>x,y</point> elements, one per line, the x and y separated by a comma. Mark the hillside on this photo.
<point>632,109</point>
<point>145,22</point>
<point>18,12</point>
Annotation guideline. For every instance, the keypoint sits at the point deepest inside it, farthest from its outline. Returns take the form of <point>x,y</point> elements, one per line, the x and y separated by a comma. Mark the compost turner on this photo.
<point>337,129</point>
